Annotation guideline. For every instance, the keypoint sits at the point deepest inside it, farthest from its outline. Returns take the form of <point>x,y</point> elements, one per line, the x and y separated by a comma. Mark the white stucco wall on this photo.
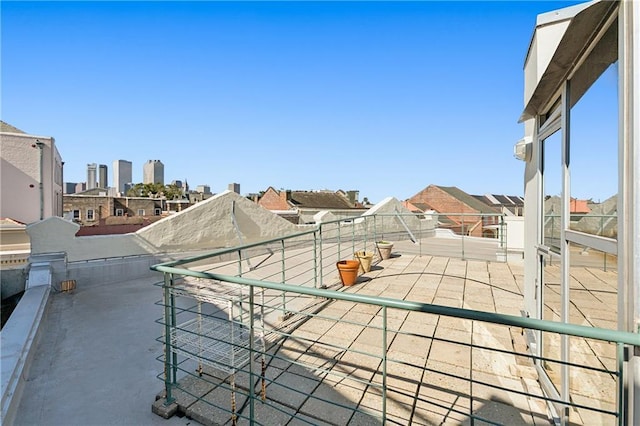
<point>20,177</point>
<point>209,225</point>
<point>56,235</point>
<point>515,232</point>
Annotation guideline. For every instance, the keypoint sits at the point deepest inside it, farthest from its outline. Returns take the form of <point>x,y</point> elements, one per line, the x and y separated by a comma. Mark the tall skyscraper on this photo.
<point>92,176</point>
<point>153,172</point>
<point>121,175</point>
<point>103,181</point>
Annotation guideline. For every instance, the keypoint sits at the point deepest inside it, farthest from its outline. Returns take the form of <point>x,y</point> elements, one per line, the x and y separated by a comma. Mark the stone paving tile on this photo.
<point>399,404</point>
<point>329,404</point>
<point>304,420</point>
<point>291,389</point>
<point>454,334</point>
<point>480,285</point>
<point>431,410</point>
<point>411,345</point>
<point>501,412</point>
<point>419,324</point>
<point>362,361</point>
<point>215,407</point>
<point>590,416</point>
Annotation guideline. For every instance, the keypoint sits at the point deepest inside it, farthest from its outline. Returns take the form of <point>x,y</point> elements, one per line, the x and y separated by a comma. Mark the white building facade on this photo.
<point>31,176</point>
<point>582,92</point>
<point>92,176</point>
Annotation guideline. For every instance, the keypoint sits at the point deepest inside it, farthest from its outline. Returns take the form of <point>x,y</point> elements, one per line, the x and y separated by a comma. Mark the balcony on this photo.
<point>266,334</point>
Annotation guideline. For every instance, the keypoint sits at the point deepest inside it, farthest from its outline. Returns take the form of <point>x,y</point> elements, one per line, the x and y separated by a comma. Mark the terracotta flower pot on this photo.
<point>384,248</point>
<point>365,258</point>
<point>348,270</point>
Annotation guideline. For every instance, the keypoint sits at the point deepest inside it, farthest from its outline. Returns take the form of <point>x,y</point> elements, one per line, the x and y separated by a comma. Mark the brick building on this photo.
<point>462,213</point>
<point>91,208</point>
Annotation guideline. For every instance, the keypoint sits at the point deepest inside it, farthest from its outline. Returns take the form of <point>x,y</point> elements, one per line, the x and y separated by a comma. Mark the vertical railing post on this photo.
<point>375,229</point>
<point>622,397</point>
<point>251,350</point>
<point>168,380</point>
<point>503,238</point>
<point>384,365</point>
<point>240,272</point>
<point>315,259</point>
<point>604,266</point>
<point>321,257</point>
<point>471,416</point>
<point>462,234</point>
<point>353,235</point>
<point>283,278</point>
<point>174,355</point>
<point>421,236</point>
<point>338,224</point>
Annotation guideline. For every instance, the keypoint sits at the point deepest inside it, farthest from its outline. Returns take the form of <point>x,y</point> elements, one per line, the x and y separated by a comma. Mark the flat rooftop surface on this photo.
<point>95,363</point>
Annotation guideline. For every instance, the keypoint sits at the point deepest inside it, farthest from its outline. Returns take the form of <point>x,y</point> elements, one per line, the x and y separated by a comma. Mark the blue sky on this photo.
<point>382,97</point>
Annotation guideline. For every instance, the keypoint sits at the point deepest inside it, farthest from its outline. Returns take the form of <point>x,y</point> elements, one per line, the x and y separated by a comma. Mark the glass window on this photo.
<point>552,186</point>
<point>140,212</point>
<point>119,212</point>
<point>90,214</point>
<point>594,157</point>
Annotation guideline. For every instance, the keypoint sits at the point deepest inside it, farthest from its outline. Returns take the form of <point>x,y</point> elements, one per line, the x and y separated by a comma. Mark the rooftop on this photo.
<point>324,372</point>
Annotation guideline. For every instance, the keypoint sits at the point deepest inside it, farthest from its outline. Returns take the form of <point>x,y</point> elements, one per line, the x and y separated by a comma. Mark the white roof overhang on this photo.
<point>571,31</point>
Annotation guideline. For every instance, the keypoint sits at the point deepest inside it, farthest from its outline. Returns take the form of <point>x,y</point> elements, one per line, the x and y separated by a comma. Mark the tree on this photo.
<point>155,190</point>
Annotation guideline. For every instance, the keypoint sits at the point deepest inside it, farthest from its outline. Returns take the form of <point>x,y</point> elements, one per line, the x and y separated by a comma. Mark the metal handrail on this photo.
<point>615,336</point>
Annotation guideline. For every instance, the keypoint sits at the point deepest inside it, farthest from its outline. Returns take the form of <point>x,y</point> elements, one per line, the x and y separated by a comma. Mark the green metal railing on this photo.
<point>267,330</point>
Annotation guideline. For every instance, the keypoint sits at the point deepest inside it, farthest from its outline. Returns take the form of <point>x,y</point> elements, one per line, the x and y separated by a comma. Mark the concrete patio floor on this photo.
<point>96,361</point>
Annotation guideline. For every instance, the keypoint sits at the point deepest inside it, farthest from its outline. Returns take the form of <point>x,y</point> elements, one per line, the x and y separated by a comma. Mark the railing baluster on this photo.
<point>384,365</point>
<point>168,381</point>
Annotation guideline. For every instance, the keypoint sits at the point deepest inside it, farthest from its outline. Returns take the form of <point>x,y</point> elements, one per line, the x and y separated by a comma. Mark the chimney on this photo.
<point>285,196</point>
<point>235,187</point>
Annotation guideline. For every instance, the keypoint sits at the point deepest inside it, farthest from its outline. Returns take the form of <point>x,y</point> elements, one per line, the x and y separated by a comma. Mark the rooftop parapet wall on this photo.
<point>209,224</point>
<point>54,235</point>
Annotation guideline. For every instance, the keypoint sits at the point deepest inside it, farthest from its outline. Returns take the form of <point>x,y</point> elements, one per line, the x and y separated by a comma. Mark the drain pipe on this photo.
<point>40,146</point>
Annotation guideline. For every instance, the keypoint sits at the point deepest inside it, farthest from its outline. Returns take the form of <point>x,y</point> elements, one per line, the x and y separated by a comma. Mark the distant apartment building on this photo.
<point>122,175</point>
<point>30,176</point>
<point>103,180</point>
<point>153,172</point>
<point>94,206</point>
<point>92,176</point>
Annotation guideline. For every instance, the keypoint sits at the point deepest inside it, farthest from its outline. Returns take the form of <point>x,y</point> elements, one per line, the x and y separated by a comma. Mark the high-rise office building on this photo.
<point>81,187</point>
<point>153,172</point>
<point>121,175</point>
<point>92,176</point>
<point>69,188</point>
<point>103,181</point>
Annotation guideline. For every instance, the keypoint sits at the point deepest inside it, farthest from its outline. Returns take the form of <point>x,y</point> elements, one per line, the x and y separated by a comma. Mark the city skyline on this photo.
<point>304,95</point>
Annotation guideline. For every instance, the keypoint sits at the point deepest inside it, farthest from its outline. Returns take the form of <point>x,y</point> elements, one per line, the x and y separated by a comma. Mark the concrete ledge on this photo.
<point>18,337</point>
